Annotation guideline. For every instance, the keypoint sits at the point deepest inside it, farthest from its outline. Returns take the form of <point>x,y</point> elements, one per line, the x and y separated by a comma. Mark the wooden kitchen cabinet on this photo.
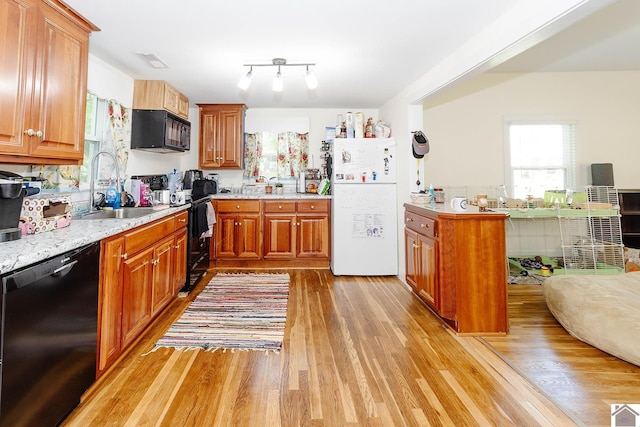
<point>110,306</point>
<point>421,266</point>
<point>296,229</point>
<point>238,231</point>
<point>272,233</point>
<point>137,294</point>
<point>313,231</point>
<point>142,270</point>
<point>43,66</point>
<point>180,260</point>
<point>159,95</point>
<point>221,138</point>
<point>457,264</point>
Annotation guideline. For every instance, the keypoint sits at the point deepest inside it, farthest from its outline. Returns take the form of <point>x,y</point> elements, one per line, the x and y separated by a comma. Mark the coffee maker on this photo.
<point>11,195</point>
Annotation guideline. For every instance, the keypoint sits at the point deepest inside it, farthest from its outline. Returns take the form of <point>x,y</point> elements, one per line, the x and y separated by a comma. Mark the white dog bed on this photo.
<point>603,311</point>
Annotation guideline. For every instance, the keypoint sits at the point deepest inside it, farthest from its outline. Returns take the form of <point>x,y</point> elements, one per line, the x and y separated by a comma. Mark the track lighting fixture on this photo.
<point>278,80</point>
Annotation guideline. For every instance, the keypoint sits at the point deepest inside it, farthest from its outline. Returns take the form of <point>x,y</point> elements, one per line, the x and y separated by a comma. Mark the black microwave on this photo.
<point>160,131</point>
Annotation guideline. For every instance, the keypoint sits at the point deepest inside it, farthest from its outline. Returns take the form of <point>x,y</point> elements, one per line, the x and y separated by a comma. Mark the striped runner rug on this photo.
<point>245,311</point>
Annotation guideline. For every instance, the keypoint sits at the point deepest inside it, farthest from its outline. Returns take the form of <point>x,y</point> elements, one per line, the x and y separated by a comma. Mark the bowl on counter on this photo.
<point>421,198</point>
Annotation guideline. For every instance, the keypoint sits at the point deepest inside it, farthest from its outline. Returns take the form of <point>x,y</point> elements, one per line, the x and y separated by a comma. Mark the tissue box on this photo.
<point>40,214</point>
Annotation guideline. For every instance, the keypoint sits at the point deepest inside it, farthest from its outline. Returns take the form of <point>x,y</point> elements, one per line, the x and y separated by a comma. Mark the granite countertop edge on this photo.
<point>33,248</point>
<point>263,196</point>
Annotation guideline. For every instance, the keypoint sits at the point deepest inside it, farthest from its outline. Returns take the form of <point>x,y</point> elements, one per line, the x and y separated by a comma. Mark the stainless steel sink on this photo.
<point>122,213</point>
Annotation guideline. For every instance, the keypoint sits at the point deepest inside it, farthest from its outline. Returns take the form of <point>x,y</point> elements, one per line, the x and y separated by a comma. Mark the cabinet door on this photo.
<point>249,237</point>
<point>427,271</point>
<point>221,136</point>
<point>279,236</point>
<point>60,97</point>
<point>231,137</point>
<point>110,304</point>
<point>17,20</point>
<point>183,107</point>
<point>313,236</point>
<point>171,101</point>
<point>209,142</point>
<point>162,263</point>
<point>180,260</point>
<point>136,295</point>
<point>226,235</point>
<point>412,259</point>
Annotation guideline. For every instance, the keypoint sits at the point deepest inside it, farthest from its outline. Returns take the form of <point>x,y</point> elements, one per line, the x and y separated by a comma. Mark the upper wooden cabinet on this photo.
<point>221,136</point>
<point>159,95</point>
<point>43,67</point>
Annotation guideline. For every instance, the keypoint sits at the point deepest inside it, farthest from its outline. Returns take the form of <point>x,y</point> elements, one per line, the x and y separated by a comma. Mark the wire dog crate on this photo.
<point>591,234</point>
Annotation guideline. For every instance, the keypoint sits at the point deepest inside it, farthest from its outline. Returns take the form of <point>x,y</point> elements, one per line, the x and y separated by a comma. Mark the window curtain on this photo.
<point>293,153</point>
<point>252,154</point>
<point>120,120</point>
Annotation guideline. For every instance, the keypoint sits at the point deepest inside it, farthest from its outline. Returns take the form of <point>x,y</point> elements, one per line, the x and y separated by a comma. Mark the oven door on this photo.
<point>197,246</point>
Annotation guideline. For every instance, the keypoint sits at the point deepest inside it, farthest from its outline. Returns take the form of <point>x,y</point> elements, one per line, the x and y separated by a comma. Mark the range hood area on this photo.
<point>159,131</point>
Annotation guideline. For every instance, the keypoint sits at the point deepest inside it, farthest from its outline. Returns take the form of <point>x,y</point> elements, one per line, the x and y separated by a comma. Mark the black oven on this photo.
<point>197,246</point>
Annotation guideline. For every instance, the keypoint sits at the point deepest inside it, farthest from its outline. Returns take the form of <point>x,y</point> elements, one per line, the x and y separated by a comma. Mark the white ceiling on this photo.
<point>365,53</point>
<point>608,40</point>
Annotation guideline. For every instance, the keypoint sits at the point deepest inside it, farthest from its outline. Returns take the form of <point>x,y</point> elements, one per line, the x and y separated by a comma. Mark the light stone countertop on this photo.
<point>33,248</point>
<point>263,196</point>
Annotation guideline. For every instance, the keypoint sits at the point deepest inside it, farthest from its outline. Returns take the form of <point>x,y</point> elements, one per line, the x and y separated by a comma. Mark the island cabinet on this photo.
<point>221,136</point>
<point>457,264</point>
<point>141,269</point>
<point>43,67</point>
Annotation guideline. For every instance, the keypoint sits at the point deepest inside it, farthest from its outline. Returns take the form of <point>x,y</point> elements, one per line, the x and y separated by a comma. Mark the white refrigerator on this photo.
<point>364,207</point>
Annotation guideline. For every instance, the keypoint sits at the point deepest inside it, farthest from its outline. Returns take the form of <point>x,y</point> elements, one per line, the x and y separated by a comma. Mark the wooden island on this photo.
<point>456,262</point>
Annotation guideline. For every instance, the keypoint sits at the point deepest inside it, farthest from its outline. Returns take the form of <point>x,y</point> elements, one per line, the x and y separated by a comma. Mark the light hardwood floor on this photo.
<point>582,379</point>
<point>357,352</point>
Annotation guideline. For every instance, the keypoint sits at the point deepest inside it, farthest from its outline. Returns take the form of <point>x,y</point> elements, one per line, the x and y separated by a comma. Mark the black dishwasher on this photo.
<point>49,337</point>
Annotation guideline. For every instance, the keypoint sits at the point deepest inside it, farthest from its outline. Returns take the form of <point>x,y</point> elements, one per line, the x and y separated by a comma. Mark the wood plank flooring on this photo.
<point>357,352</point>
<point>582,379</point>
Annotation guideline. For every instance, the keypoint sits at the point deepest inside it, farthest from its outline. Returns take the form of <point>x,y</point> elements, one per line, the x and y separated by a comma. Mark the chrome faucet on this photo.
<point>94,167</point>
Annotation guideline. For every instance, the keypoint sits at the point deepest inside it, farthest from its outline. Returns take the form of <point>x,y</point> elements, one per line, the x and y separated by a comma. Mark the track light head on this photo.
<point>245,81</point>
<point>278,82</point>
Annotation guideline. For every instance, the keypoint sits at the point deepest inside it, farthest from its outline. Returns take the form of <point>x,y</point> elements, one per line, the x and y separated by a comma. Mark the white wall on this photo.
<point>108,82</point>
<point>465,127</point>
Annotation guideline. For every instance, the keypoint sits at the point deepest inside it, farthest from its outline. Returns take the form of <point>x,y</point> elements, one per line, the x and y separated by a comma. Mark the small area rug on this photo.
<point>233,311</point>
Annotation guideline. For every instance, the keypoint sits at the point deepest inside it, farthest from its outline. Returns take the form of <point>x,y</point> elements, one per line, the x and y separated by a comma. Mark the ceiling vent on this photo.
<point>153,60</point>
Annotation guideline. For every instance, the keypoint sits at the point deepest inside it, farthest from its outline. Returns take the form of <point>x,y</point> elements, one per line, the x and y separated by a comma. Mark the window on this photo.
<point>95,131</point>
<point>275,154</point>
<point>539,156</point>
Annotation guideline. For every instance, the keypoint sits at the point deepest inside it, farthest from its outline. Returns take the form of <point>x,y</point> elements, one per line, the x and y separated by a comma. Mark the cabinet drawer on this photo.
<point>250,206</point>
<point>280,206</point>
<point>142,237</point>
<point>313,206</point>
<point>420,224</point>
<point>181,219</point>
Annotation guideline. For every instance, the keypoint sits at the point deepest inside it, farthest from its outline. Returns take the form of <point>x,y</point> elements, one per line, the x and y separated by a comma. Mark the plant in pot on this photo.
<point>279,188</point>
<point>268,188</point>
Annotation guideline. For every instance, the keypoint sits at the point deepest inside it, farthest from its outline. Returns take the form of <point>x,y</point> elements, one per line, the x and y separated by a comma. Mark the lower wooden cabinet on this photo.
<point>238,228</point>
<point>252,233</point>
<point>142,270</point>
<point>421,266</point>
<point>457,264</point>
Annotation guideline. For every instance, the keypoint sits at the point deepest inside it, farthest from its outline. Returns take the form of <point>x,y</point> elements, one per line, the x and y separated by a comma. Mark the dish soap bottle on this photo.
<point>112,198</point>
<point>432,194</point>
